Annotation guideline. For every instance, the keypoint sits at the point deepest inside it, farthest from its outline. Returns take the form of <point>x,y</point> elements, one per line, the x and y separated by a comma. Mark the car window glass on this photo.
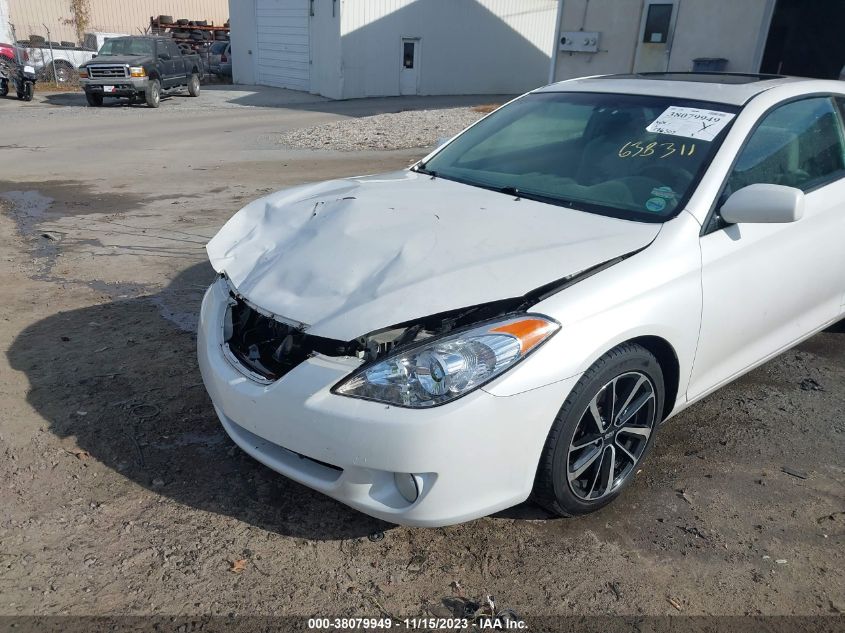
<point>799,144</point>
<point>173,50</point>
<point>553,122</point>
<point>127,46</point>
<point>631,156</point>
<point>218,47</point>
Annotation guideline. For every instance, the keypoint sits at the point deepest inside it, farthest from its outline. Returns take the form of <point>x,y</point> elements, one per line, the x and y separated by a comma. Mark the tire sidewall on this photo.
<point>637,359</point>
<point>194,85</point>
<point>153,96</point>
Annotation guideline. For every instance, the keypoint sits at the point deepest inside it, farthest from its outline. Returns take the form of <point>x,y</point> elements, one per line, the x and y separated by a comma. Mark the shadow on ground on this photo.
<point>123,381</point>
<point>230,96</point>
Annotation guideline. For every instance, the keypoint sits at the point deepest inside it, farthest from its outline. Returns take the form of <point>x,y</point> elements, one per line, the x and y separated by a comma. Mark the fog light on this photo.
<point>407,485</point>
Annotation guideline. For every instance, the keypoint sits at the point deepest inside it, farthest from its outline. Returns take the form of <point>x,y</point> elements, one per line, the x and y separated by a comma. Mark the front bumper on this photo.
<point>471,457</point>
<point>122,86</point>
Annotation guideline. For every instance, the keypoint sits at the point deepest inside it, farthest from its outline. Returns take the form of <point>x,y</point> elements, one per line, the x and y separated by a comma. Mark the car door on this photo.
<point>165,63</point>
<point>765,286</point>
<point>179,64</point>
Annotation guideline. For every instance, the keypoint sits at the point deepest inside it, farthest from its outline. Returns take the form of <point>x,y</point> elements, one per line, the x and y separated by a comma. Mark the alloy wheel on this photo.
<point>611,436</point>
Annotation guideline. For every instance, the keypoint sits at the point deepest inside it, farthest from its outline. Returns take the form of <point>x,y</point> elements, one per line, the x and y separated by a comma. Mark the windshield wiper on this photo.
<point>537,197</point>
<point>420,169</point>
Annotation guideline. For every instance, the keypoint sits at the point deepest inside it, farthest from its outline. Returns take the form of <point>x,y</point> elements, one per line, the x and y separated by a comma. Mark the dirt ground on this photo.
<point>121,494</point>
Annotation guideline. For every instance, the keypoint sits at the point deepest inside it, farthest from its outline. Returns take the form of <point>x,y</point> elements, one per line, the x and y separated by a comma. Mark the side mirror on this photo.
<point>164,57</point>
<point>763,204</point>
<point>93,56</point>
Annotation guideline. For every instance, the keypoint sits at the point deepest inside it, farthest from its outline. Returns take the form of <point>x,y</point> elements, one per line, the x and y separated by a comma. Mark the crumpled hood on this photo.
<point>347,257</point>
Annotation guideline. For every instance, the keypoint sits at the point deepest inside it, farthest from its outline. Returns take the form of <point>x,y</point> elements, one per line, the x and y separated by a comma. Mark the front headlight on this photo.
<point>137,71</point>
<point>83,73</point>
<point>444,368</point>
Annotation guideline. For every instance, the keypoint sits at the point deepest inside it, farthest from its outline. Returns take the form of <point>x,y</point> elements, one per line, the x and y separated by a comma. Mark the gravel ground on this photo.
<point>401,130</point>
<point>122,494</point>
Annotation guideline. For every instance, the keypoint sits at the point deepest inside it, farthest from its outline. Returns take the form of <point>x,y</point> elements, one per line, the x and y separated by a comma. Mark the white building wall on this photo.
<point>5,31</point>
<point>733,29</point>
<point>466,46</point>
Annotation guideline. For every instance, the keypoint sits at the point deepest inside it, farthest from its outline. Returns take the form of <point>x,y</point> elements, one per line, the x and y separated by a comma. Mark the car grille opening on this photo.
<point>107,72</point>
<point>268,347</point>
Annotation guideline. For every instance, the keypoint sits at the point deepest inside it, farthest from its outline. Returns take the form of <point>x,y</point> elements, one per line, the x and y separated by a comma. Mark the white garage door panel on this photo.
<point>284,49</point>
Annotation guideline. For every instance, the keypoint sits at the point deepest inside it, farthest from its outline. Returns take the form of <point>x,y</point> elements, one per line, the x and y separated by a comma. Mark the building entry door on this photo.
<point>409,73</point>
<point>656,31</point>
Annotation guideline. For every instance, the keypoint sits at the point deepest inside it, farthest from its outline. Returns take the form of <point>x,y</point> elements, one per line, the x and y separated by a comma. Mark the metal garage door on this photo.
<point>283,46</point>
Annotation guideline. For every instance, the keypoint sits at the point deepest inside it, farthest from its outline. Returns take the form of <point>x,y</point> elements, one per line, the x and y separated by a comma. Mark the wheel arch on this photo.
<point>667,357</point>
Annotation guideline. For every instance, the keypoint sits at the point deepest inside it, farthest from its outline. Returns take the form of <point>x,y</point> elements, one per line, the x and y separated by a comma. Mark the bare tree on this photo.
<point>81,17</point>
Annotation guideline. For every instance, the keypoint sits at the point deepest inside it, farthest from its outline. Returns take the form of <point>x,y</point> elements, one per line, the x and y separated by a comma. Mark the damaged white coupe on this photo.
<point>515,315</point>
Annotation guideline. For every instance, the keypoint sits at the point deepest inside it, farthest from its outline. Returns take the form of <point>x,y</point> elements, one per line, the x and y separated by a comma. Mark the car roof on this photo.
<point>731,88</point>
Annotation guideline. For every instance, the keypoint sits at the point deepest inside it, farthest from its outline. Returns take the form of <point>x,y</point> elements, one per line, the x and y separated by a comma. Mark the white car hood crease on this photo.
<point>348,257</point>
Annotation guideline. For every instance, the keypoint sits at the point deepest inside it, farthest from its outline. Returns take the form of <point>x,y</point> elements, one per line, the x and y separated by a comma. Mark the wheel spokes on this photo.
<point>584,462</point>
<point>605,471</point>
<point>641,380</point>
<point>642,432</point>
<point>611,436</point>
<point>594,411</point>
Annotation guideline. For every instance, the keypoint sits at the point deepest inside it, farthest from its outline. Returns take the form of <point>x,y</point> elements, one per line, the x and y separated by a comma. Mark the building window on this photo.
<point>657,23</point>
<point>408,55</point>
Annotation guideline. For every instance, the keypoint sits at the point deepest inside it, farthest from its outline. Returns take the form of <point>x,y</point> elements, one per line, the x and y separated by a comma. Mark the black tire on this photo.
<point>27,91</point>
<point>37,40</point>
<point>153,94</point>
<point>4,87</point>
<point>165,19</point>
<point>569,443</point>
<point>194,85</point>
<point>94,100</point>
<point>182,22</point>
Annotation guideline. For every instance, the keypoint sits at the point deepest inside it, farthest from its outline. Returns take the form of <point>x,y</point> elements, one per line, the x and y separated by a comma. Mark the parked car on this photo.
<point>140,68</point>
<point>220,59</point>
<point>59,63</point>
<point>518,313</point>
<point>8,51</point>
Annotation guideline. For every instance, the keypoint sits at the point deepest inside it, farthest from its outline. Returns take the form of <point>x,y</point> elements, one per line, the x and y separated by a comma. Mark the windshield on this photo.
<point>128,46</point>
<point>628,156</point>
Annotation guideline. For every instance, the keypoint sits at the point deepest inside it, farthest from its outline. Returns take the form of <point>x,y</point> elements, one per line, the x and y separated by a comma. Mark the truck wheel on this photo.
<point>94,100</point>
<point>4,87</point>
<point>153,94</point>
<point>194,85</point>
<point>64,73</point>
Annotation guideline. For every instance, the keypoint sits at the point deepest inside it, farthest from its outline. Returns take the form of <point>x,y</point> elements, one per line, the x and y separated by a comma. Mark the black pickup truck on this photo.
<point>139,68</point>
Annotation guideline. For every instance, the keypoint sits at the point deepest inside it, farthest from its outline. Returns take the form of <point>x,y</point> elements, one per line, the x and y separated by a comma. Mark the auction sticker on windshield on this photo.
<point>690,122</point>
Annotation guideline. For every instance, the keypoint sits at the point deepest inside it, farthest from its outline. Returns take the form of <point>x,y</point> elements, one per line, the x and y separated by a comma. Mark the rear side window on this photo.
<point>799,144</point>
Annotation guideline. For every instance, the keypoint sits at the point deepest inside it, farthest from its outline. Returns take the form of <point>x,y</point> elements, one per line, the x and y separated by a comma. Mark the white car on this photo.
<point>517,314</point>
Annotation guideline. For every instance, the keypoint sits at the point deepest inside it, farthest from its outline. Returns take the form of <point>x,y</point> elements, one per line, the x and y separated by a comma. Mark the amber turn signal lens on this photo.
<point>529,332</point>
